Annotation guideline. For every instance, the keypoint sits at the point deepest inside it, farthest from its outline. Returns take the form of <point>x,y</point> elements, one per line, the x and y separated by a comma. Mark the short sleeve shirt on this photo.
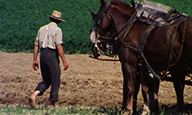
<point>49,36</point>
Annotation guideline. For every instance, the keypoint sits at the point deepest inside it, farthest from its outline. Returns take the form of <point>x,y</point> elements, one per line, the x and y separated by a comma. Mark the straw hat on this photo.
<point>56,15</point>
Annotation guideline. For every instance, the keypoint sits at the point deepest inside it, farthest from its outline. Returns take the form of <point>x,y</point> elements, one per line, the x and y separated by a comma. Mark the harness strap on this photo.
<point>170,61</point>
<point>142,43</point>
<point>149,67</point>
<point>173,41</point>
<point>144,38</point>
<point>127,27</point>
<point>140,51</point>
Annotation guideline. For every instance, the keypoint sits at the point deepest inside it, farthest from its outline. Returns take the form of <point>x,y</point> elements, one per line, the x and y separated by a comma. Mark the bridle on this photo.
<point>100,38</point>
<point>103,13</point>
<point>114,36</point>
<point>123,32</point>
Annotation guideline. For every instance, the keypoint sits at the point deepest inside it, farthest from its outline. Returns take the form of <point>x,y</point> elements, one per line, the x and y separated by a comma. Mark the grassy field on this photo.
<point>59,110</point>
<point>81,110</point>
<point>20,22</point>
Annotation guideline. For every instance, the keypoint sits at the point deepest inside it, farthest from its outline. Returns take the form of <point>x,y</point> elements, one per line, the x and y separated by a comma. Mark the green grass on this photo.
<point>81,110</point>
<point>20,22</point>
<point>59,110</point>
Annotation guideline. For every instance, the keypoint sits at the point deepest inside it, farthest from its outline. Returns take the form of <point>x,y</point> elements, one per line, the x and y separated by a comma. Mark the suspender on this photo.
<point>45,42</point>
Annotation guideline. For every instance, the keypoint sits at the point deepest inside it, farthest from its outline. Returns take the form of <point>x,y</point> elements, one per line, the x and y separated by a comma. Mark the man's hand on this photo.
<point>65,65</point>
<point>35,65</point>
<point>35,53</point>
<point>61,54</point>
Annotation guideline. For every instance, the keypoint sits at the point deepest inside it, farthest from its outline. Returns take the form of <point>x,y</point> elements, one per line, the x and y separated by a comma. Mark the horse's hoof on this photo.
<point>146,110</point>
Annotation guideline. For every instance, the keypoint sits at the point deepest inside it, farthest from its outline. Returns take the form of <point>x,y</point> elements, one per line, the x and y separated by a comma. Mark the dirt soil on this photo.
<point>87,82</point>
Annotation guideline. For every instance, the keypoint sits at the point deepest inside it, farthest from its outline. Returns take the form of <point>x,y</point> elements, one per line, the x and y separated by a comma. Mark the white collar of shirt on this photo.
<point>52,23</point>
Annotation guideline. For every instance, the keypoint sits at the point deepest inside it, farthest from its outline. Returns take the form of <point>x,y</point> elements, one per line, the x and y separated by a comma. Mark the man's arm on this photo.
<point>61,54</point>
<point>35,54</point>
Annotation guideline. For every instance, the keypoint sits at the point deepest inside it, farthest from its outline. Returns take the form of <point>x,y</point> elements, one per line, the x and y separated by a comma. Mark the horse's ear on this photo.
<point>175,11</point>
<point>102,2</point>
<point>133,3</point>
<point>92,13</point>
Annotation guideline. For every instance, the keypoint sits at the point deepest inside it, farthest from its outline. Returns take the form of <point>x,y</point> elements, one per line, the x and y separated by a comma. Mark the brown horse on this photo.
<point>163,48</point>
<point>149,85</point>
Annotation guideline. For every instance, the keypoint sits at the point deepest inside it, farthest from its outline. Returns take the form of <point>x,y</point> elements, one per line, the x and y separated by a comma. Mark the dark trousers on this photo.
<point>50,70</point>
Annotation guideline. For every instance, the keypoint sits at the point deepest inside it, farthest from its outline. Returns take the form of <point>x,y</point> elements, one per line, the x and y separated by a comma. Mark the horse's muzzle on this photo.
<point>93,36</point>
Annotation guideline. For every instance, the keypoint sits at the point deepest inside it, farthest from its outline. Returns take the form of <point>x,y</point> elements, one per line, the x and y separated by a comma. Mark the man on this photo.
<point>49,41</point>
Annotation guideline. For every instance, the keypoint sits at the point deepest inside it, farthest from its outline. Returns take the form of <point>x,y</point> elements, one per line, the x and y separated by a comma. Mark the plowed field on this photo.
<point>87,82</point>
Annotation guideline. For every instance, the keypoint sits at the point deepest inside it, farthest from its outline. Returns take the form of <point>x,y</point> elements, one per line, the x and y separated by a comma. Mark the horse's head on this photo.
<point>102,31</point>
<point>108,23</point>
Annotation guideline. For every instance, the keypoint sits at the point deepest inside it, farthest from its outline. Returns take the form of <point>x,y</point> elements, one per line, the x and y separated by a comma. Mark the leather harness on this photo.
<point>123,33</point>
<point>140,49</point>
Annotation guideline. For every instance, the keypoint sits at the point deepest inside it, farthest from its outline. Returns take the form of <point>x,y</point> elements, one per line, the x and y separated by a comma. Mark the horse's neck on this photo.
<point>121,16</point>
<point>119,21</point>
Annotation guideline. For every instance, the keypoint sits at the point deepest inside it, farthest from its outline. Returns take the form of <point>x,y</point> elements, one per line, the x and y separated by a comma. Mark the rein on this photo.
<point>127,27</point>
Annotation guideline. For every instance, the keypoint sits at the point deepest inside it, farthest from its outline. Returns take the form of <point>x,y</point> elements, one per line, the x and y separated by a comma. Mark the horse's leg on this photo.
<point>145,93</point>
<point>178,77</point>
<point>153,95</point>
<point>137,86</point>
<point>143,78</point>
<point>150,87</point>
<point>129,74</point>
